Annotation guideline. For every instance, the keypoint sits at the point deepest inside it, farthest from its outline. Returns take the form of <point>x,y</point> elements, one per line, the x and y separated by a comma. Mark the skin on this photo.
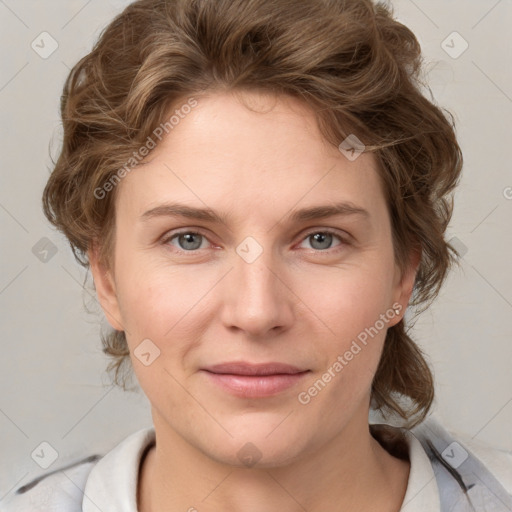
<point>300,302</point>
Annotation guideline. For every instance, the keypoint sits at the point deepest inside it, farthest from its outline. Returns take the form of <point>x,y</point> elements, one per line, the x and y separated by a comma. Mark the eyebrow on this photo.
<point>209,215</point>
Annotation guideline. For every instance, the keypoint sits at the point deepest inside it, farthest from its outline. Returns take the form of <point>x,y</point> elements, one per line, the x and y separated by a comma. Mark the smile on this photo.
<point>247,380</point>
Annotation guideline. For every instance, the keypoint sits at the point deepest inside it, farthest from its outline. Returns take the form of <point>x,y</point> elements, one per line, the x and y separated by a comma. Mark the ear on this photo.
<point>105,289</point>
<point>404,285</point>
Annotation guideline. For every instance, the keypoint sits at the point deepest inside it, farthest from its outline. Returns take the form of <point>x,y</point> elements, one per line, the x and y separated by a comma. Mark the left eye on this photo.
<point>321,240</point>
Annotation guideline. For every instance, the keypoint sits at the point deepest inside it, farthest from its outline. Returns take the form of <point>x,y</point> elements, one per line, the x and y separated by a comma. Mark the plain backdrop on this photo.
<point>52,380</point>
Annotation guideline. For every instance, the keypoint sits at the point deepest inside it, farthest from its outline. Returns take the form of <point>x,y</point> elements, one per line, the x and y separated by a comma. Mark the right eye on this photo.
<point>186,241</point>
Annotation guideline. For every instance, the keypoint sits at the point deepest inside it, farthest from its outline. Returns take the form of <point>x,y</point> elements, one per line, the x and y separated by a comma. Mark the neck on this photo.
<point>349,472</point>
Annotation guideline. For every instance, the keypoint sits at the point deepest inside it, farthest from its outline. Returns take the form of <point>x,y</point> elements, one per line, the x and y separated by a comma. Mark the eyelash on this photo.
<point>343,241</point>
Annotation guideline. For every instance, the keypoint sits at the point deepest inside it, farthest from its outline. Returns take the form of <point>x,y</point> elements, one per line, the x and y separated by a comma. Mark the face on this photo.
<point>246,243</point>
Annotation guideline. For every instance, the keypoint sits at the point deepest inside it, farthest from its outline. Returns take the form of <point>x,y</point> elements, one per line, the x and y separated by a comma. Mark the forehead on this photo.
<point>246,124</point>
<point>253,149</point>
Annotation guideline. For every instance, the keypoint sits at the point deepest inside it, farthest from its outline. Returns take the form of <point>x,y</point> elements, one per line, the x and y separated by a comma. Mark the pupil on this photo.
<point>323,239</point>
<point>189,241</point>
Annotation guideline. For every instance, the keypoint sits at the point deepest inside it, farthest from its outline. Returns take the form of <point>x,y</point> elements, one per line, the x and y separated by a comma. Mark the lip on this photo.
<point>247,380</point>
<point>244,368</point>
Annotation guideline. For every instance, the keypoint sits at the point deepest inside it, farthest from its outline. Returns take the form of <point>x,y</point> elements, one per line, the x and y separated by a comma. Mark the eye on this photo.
<point>322,240</point>
<point>186,240</point>
<point>191,241</point>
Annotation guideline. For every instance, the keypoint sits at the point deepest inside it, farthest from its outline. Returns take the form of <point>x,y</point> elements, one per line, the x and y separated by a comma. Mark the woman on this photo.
<point>261,191</point>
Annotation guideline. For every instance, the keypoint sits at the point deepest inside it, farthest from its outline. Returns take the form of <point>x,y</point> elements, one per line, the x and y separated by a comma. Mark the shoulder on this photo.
<point>497,460</point>
<point>58,491</point>
<point>462,473</point>
<point>467,470</point>
<point>107,482</point>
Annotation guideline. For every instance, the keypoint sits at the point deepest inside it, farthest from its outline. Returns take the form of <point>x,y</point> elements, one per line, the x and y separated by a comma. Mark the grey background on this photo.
<point>52,380</point>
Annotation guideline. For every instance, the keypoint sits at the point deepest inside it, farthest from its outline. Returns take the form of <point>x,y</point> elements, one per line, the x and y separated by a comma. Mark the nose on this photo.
<point>257,298</point>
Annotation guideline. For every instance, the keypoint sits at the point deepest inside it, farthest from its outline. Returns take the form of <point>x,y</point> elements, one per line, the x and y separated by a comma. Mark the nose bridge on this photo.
<point>257,300</point>
<point>254,281</point>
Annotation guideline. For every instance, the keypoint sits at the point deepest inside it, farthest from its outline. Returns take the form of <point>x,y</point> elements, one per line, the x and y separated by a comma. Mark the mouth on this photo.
<point>247,380</point>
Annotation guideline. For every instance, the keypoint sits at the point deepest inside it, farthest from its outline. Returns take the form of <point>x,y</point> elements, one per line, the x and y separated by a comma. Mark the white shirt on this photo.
<point>110,484</point>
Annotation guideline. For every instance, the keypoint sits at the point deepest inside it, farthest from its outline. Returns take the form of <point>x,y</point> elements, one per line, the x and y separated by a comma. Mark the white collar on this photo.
<point>112,482</point>
<point>422,492</point>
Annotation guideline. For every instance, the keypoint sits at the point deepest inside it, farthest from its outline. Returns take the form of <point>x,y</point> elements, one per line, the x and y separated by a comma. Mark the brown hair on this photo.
<point>350,60</point>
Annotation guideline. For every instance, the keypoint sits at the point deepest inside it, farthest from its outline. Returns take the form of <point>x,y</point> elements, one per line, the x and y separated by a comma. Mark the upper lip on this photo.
<point>244,368</point>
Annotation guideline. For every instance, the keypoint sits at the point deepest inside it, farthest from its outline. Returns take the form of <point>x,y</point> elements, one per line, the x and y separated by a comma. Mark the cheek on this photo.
<point>354,307</point>
<point>350,357</point>
<point>166,307</point>
<point>162,303</point>
<point>348,300</point>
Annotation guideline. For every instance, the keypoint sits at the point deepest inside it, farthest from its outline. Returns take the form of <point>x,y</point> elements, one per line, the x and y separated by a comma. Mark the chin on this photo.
<point>259,444</point>
<point>256,455</point>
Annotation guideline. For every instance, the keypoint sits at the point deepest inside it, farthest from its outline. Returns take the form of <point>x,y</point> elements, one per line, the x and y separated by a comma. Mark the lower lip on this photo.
<point>255,386</point>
